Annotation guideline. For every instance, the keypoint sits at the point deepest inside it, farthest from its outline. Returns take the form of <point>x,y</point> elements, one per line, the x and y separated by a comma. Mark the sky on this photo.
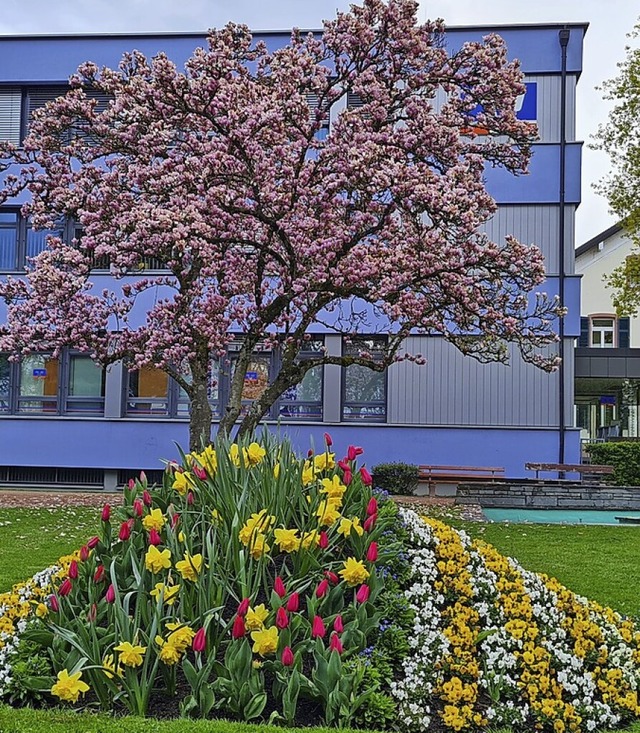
<point>605,41</point>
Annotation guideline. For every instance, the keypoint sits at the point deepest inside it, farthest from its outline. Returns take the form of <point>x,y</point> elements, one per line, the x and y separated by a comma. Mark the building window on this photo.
<point>85,393</point>
<point>10,115</point>
<point>364,391</point>
<point>8,240</point>
<point>303,401</point>
<point>603,332</point>
<point>5,384</point>
<point>39,384</point>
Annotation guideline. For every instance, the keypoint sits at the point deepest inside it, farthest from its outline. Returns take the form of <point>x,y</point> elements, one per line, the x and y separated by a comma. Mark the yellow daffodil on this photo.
<point>234,454</point>
<point>328,513</point>
<point>181,636</point>
<point>276,471</point>
<point>255,618</point>
<point>41,610</point>
<point>130,654</point>
<point>169,653</point>
<point>347,526</point>
<point>265,641</point>
<point>254,454</point>
<point>181,536</point>
<point>109,667</point>
<point>287,539</point>
<point>154,520</point>
<point>182,482</point>
<point>333,487</point>
<point>156,561</point>
<point>169,593</point>
<point>216,517</point>
<point>309,538</point>
<point>190,567</point>
<point>354,571</point>
<point>208,460</point>
<point>307,473</point>
<point>68,687</point>
<point>324,462</point>
<point>258,546</point>
<point>258,523</point>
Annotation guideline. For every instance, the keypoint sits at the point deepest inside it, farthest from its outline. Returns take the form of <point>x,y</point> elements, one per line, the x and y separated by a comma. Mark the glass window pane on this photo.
<point>303,401</point>
<point>256,378</point>
<point>37,240</point>
<point>38,378</point>
<point>5,373</point>
<point>364,390</point>
<point>86,378</point>
<point>8,241</point>
<point>363,384</point>
<point>148,392</point>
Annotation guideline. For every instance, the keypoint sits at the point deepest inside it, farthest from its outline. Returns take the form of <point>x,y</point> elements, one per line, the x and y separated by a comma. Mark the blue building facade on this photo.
<point>67,421</point>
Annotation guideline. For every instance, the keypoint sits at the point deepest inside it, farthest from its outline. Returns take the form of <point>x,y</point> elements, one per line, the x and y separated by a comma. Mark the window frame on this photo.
<point>345,403</point>
<point>603,330</point>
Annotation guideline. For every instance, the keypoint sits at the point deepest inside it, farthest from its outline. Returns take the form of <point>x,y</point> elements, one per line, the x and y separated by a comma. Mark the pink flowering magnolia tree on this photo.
<point>263,224</point>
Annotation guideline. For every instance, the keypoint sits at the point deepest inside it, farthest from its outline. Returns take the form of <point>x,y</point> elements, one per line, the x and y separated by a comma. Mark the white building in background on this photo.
<point>607,360</point>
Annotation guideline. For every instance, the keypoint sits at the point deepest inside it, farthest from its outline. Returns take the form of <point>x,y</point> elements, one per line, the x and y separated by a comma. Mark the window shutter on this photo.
<point>354,101</point>
<point>624,328</point>
<point>583,341</point>
<point>10,106</point>
<point>39,96</point>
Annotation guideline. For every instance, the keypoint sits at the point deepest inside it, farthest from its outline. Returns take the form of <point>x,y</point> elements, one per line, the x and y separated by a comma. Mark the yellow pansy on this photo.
<point>154,520</point>
<point>190,567</point>
<point>333,487</point>
<point>265,641</point>
<point>169,593</point>
<point>156,561</point>
<point>354,572</point>
<point>255,617</point>
<point>69,686</point>
<point>324,462</point>
<point>287,539</point>
<point>130,654</point>
<point>347,526</point>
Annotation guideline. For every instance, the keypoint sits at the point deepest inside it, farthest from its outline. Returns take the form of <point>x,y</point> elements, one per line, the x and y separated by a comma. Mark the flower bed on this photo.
<point>258,586</point>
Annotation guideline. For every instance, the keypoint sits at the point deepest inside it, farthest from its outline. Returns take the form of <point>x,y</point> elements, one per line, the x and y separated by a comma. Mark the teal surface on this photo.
<point>559,516</point>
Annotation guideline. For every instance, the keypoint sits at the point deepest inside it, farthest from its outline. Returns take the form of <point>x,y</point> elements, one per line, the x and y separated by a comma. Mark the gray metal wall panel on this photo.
<point>452,389</point>
<point>548,109</point>
<point>539,225</point>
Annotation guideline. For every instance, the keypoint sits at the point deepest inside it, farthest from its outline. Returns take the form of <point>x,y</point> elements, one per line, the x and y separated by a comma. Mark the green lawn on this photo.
<point>32,539</point>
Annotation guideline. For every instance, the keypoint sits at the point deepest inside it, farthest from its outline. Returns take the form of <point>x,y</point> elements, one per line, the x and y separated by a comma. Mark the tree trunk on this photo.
<point>233,408</point>
<point>201,416</point>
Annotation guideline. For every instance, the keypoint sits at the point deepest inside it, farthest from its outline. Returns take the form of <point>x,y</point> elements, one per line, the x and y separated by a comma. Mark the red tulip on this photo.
<point>335,644</point>
<point>293,604</point>
<point>243,606</point>
<point>370,523</point>
<point>199,643</point>
<point>344,465</point>
<point>84,553</point>
<point>92,613</point>
<point>287,656</point>
<point>106,513</point>
<point>131,484</point>
<point>372,552</point>
<point>110,595</point>
<point>309,453</point>
<point>323,587</point>
<point>174,520</point>
<point>347,478</point>
<point>99,574</point>
<point>353,451</point>
<point>317,627</point>
<point>331,577</point>
<point>238,630</point>
<point>363,593</point>
<point>372,506</point>
<point>93,542</point>
<point>138,508</point>
<point>65,587</point>
<point>73,570</point>
<point>278,587</point>
<point>366,477</point>
<point>146,497</point>
<point>328,440</point>
<point>199,472</point>
<point>338,624</point>
<point>154,537</point>
<point>323,540</point>
<point>125,531</point>
<point>282,620</point>
<point>53,603</point>
<point>190,499</point>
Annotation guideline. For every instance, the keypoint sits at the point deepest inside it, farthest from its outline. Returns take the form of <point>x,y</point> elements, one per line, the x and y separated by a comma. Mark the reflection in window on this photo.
<point>5,377</point>
<point>364,390</point>
<point>86,385</point>
<point>8,240</point>
<point>148,392</point>
<point>182,401</point>
<point>39,382</point>
<point>37,239</point>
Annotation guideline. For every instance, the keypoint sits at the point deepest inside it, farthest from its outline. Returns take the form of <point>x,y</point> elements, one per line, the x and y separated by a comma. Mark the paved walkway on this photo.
<point>44,499</point>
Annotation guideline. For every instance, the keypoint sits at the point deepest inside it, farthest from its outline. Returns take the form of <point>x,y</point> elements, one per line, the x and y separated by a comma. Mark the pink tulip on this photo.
<point>353,451</point>
<point>138,508</point>
<point>338,624</point>
<point>335,644</point>
<point>323,540</point>
<point>278,587</point>
<point>328,440</point>
<point>146,498</point>
<point>125,531</point>
<point>287,656</point>
<point>282,620</point>
<point>323,587</point>
<point>331,577</point>
<point>110,595</point>
<point>99,574</point>
<point>372,506</point>
<point>199,472</point>
<point>65,587</point>
<point>238,630</point>
<point>73,570</point>
<point>106,513</point>
<point>131,484</point>
<point>53,603</point>
<point>317,628</point>
<point>367,480</point>
<point>370,523</point>
<point>293,604</point>
<point>372,552</point>
<point>174,520</point>
<point>363,593</point>
<point>92,613</point>
<point>344,464</point>
<point>154,537</point>
<point>93,542</point>
<point>143,478</point>
<point>199,643</point>
<point>190,498</point>
<point>347,478</point>
<point>243,606</point>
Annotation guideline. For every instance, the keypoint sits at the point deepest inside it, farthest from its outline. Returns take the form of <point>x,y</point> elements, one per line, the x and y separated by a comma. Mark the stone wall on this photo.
<point>550,495</point>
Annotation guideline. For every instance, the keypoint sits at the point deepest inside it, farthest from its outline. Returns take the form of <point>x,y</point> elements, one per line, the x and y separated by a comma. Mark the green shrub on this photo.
<point>623,456</point>
<point>396,478</point>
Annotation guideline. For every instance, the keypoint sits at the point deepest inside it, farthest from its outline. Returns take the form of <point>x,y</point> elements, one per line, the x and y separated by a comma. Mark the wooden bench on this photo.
<point>433,475</point>
<point>581,468</point>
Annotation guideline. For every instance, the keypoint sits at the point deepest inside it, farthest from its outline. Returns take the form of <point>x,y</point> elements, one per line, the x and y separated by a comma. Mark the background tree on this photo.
<point>620,138</point>
<point>265,224</point>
